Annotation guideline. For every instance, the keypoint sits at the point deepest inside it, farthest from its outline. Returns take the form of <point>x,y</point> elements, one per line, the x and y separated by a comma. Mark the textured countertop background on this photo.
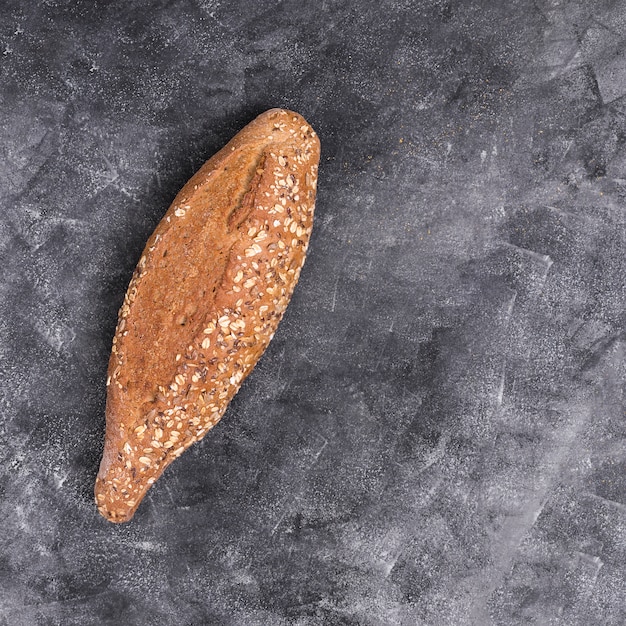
<point>436,434</point>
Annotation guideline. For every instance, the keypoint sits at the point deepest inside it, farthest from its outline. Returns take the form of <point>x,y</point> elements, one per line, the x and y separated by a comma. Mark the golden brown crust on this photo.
<point>205,300</point>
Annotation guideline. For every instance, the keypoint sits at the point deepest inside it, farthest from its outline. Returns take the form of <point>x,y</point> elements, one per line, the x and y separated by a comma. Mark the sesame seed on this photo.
<point>145,460</point>
<point>206,343</point>
<point>179,212</point>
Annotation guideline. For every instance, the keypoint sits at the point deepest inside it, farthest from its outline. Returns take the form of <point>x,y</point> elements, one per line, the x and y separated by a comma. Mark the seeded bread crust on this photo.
<point>204,302</point>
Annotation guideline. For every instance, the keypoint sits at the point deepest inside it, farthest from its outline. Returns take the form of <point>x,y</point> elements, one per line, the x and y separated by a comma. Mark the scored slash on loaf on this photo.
<point>204,302</point>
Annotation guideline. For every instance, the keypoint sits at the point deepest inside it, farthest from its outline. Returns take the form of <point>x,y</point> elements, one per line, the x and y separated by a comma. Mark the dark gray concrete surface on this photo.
<point>436,434</point>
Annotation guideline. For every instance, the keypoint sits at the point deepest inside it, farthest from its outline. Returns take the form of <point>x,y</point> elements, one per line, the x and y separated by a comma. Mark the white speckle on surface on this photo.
<point>60,478</point>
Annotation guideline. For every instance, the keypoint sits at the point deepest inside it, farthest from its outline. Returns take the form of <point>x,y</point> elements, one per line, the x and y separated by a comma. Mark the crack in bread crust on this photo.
<point>242,209</point>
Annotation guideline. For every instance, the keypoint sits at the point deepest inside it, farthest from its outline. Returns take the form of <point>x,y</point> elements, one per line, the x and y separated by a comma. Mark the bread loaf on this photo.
<point>204,302</point>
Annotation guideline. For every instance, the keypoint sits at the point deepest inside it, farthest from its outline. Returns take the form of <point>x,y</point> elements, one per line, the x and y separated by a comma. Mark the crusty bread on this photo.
<point>206,297</point>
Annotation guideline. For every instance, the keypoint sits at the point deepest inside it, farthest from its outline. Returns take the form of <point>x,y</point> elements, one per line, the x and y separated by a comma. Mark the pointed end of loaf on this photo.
<point>116,491</point>
<point>124,478</point>
<point>108,507</point>
<point>120,489</point>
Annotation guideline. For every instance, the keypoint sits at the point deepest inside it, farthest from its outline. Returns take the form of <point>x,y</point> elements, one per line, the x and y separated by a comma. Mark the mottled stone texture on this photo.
<point>436,434</point>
